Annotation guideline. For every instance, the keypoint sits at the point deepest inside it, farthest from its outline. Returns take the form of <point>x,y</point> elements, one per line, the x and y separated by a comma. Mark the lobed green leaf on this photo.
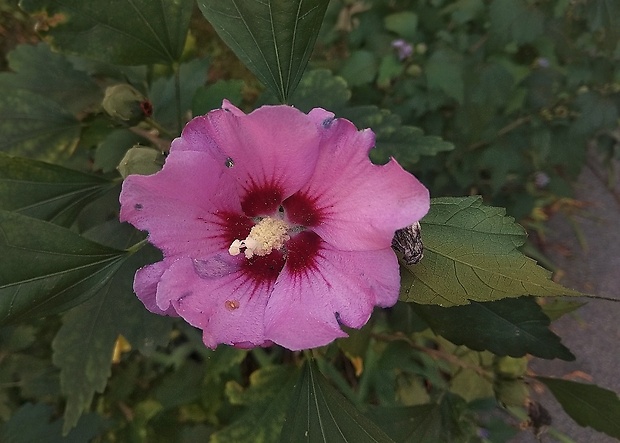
<point>126,32</point>
<point>265,400</point>
<point>45,191</point>
<point>33,423</point>
<point>321,88</point>
<point>471,254</point>
<point>211,97</point>
<point>403,142</point>
<point>192,75</point>
<point>59,81</point>
<point>273,38</point>
<point>48,268</point>
<point>84,344</point>
<point>445,421</point>
<point>588,405</point>
<point>319,413</point>
<point>36,126</point>
<point>513,327</point>
<point>419,424</point>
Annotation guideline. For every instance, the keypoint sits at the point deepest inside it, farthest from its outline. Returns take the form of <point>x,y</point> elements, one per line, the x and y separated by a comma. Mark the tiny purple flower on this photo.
<point>275,227</point>
<point>403,48</point>
<point>541,180</point>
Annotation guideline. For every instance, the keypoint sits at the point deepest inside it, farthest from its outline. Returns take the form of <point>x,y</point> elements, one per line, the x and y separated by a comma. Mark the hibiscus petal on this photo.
<point>227,305</point>
<point>184,206</point>
<point>145,286</point>
<point>305,308</point>
<point>274,147</point>
<point>359,205</point>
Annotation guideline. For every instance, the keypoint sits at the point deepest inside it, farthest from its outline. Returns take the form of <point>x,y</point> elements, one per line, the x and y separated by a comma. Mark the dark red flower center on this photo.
<point>250,234</point>
<point>263,200</point>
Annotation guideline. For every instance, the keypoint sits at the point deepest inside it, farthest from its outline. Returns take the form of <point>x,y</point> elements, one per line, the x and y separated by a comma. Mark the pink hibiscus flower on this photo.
<point>275,227</point>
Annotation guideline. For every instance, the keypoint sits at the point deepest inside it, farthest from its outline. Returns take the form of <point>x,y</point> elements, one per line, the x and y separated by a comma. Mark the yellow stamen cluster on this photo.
<point>267,235</point>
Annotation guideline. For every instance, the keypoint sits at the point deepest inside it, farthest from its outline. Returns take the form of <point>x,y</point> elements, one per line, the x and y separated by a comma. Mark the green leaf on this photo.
<point>419,424</point>
<point>596,113</point>
<point>126,32</point>
<point>470,253</point>
<point>180,387</point>
<point>389,69</point>
<point>513,327</point>
<point>32,423</point>
<point>444,72</point>
<point>516,20</point>
<point>46,191</point>
<point>403,318</point>
<point>445,421</point>
<point>273,38</point>
<point>463,11</point>
<point>211,97</point>
<point>321,88</point>
<point>319,413</point>
<point>265,400</point>
<point>603,14</point>
<point>83,346</point>
<point>50,268</point>
<point>557,307</point>
<point>35,126</point>
<point>113,148</point>
<point>59,81</point>
<point>588,405</point>
<point>404,24</point>
<point>360,68</point>
<point>192,75</point>
<point>403,142</point>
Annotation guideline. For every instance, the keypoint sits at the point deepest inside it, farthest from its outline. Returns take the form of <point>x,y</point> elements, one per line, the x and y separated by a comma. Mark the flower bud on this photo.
<point>414,70</point>
<point>125,103</point>
<point>511,392</point>
<point>140,160</point>
<point>510,367</point>
<point>421,48</point>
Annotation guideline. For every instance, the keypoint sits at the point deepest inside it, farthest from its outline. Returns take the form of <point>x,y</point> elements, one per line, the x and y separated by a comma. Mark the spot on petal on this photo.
<point>215,266</point>
<point>303,250</point>
<point>232,305</point>
<point>138,206</point>
<point>301,209</point>
<point>261,200</point>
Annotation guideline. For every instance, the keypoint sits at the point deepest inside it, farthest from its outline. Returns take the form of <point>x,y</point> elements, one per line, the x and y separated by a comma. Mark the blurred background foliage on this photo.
<point>496,98</point>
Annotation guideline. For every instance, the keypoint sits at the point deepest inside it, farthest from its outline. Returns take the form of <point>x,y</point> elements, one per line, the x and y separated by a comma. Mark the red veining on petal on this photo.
<point>234,226</point>
<point>303,250</point>
<point>262,200</point>
<point>301,209</point>
<point>264,269</point>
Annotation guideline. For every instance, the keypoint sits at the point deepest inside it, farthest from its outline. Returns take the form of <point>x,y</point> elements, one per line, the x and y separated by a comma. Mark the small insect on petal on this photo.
<point>229,162</point>
<point>408,241</point>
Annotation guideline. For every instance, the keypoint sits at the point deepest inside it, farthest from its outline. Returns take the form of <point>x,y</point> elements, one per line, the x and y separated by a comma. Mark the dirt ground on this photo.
<point>593,266</point>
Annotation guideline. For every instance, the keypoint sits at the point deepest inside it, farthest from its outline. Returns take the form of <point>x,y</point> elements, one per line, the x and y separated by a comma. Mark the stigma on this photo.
<point>265,236</point>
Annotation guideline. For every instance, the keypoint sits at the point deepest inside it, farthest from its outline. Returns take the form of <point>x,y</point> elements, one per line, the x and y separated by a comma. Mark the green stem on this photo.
<point>177,93</point>
<point>135,248</point>
<point>159,127</point>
